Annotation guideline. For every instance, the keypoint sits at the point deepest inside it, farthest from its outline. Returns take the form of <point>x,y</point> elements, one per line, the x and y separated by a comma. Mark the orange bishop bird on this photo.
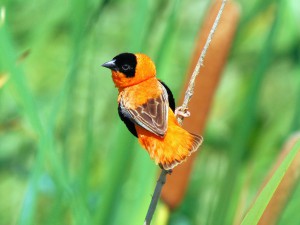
<point>146,106</point>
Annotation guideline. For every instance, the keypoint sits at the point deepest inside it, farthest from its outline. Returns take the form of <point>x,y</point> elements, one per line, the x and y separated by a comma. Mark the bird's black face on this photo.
<point>124,63</point>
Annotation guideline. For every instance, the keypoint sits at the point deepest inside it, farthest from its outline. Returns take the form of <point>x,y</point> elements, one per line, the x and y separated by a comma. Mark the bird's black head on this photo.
<point>124,63</point>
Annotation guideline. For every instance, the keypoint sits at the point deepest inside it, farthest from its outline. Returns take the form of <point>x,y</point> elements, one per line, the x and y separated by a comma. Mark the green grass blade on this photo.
<point>291,214</point>
<point>254,214</point>
<point>137,190</point>
<point>168,35</point>
<point>45,142</point>
<point>244,131</point>
<point>19,84</point>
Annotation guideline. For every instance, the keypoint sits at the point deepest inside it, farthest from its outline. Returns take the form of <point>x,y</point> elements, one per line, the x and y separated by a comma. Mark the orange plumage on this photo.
<point>144,106</point>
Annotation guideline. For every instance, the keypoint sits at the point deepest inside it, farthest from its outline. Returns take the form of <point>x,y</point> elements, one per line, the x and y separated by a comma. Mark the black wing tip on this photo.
<point>129,124</point>
<point>170,96</point>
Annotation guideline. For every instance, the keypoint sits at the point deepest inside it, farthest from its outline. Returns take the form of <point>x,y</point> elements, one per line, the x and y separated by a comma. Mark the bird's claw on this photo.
<point>180,111</point>
<point>169,171</point>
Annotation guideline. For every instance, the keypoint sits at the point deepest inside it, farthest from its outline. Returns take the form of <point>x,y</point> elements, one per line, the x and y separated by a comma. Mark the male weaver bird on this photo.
<point>146,106</point>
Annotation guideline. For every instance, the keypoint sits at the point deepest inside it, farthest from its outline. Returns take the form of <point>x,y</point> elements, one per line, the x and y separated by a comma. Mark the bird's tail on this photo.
<point>173,148</point>
<point>178,151</point>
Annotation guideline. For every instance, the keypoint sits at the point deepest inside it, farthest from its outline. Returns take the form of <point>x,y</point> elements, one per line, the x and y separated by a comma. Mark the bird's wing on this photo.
<point>152,115</point>
<point>170,96</point>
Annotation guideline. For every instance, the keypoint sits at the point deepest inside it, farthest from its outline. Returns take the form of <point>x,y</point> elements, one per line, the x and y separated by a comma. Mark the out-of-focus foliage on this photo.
<point>66,158</point>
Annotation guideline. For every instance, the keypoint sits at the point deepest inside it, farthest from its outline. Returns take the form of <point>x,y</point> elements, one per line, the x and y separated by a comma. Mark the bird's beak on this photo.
<point>110,64</point>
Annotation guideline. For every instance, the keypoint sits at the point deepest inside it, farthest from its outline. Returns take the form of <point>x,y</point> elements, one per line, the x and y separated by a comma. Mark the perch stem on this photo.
<point>157,191</point>
<point>190,90</point>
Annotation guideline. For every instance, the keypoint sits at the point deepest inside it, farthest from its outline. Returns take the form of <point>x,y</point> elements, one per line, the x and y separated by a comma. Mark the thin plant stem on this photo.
<point>157,191</point>
<point>188,94</point>
<point>190,90</point>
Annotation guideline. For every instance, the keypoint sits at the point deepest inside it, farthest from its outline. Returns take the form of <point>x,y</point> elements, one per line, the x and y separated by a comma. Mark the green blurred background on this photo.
<point>66,158</point>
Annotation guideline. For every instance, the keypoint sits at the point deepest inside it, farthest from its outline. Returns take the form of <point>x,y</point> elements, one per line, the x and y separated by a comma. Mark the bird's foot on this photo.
<point>168,171</point>
<point>180,111</point>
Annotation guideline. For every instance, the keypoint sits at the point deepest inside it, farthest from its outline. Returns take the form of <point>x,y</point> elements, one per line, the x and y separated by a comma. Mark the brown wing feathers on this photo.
<point>152,115</point>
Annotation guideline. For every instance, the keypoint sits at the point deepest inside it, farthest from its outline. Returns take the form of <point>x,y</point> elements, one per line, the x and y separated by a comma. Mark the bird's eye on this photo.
<point>125,67</point>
